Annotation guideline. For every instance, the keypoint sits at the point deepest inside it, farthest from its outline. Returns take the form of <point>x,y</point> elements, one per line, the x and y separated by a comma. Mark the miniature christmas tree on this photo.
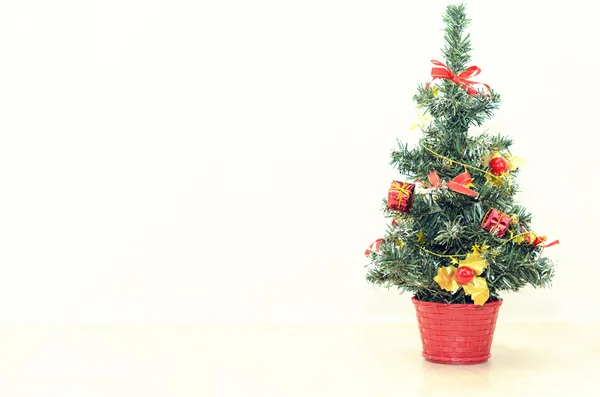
<point>456,233</point>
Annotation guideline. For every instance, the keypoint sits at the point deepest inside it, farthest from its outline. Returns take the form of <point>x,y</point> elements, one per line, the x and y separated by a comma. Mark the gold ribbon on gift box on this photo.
<point>400,188</point>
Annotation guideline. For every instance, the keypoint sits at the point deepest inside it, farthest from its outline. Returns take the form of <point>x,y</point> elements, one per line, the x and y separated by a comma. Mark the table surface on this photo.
<point>287,359</point>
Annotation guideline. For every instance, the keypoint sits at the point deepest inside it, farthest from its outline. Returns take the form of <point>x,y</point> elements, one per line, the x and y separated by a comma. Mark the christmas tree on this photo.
<point>456,234</point>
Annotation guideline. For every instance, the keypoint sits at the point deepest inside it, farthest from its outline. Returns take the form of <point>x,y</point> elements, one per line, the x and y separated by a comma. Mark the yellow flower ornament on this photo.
<point>506,162</point>
<point>451,278</point>
<point>424,120</point>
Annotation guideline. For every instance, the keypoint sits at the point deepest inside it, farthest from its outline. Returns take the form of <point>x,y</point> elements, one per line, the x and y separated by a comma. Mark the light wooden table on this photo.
<point>288,360</point>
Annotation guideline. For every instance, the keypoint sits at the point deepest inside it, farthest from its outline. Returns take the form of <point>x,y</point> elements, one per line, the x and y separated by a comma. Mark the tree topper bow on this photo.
<point>461,79</point>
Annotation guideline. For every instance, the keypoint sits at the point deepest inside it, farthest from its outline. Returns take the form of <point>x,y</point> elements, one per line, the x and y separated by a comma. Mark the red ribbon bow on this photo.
<point>373,247</point>
<point>462,79</point>
<point>458,184</point>
<point>536,240</point>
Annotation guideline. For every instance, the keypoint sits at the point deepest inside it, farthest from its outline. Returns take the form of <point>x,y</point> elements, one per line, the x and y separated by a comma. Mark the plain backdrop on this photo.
<point>225,161</point>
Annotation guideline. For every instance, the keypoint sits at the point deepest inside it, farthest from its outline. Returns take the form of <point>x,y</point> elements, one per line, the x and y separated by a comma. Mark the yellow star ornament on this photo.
<point>451,278</point>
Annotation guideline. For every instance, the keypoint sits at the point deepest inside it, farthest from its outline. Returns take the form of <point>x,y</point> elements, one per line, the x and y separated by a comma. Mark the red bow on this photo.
<point>443,72</point>
<point>536,240</point>
<point>373,247</point>
<point>458,184</point>
<point>551,244</point>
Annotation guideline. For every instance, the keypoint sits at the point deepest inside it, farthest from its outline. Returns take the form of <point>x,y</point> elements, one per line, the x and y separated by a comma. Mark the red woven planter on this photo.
<point>456,333</point>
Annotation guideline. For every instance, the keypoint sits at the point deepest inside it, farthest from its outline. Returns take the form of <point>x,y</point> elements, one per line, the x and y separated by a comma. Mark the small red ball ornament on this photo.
<point>498,165</point>
<point>464,275</point>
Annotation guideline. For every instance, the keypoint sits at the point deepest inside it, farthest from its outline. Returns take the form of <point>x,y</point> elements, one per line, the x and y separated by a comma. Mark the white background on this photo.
<point>208,161</point>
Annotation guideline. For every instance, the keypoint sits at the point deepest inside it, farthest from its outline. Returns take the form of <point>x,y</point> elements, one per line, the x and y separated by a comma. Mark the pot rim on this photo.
<point>416,301</point>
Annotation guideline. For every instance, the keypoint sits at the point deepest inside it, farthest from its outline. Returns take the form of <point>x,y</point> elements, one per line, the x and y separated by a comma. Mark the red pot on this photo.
<point>456,333</point>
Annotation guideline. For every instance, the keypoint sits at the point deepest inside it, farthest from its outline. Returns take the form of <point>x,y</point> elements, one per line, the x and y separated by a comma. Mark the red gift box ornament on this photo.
<point>496,222</point>
<point>400,196</point>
